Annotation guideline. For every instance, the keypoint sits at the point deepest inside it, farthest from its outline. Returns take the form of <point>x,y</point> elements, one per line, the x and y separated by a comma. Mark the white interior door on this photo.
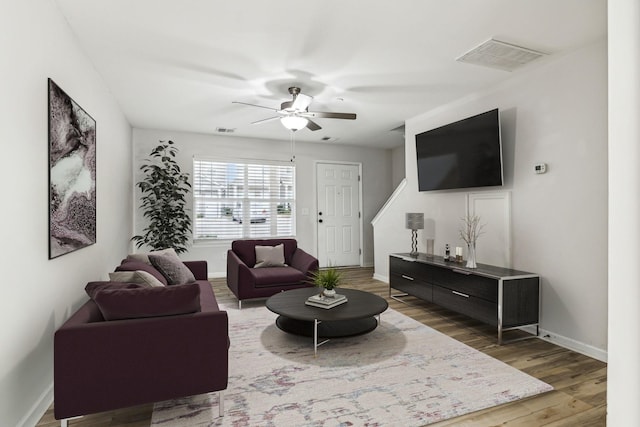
<point>338,215</point>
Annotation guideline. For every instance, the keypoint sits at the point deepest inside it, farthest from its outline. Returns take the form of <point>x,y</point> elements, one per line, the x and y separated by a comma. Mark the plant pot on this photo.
<point>329,293</point>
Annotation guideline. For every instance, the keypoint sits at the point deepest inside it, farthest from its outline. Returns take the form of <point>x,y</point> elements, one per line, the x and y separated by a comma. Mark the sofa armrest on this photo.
<point>239,276</point>
<point>198,268</point>
<point>100,366</point>
<point>304,262</point>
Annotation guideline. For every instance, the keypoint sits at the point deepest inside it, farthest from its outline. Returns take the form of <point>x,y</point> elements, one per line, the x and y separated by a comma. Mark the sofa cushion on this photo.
<point>144,256</point>
<point>277,276</point>
<point>93,288</point>
<point>130,265</point>
<point>117,304</point>
<point>137,276</point>
<point>172,268</point>
<point>269,256</point>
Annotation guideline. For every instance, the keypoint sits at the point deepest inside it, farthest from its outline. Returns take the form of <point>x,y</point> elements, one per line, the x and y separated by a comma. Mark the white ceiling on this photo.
<point>178,65</point>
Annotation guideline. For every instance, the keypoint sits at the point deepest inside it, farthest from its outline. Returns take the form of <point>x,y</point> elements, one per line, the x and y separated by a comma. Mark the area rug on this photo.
<point>401,374</point>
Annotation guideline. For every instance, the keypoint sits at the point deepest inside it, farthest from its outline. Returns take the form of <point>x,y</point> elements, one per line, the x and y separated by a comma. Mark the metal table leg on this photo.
<point>317,344</point>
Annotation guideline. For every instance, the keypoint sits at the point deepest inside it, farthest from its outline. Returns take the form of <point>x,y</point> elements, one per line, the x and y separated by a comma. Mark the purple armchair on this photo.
<point>102,365</point>
<point>247,282</point>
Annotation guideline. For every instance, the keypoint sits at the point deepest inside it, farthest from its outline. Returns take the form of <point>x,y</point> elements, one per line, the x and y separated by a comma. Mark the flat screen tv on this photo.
<point>464,154</point>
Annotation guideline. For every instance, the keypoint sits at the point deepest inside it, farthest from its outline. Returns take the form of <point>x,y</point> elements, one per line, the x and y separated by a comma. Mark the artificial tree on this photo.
<point>163,202</point>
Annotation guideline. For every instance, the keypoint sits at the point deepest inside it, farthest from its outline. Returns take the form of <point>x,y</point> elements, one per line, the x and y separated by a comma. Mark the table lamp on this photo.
<point>414,222</point>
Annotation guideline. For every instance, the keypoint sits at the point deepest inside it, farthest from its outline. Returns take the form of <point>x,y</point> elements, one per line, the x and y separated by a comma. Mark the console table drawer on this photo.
<point>412,286</point>
<point>466,283</point>
<point>462,303</point>
<point>410,269</point>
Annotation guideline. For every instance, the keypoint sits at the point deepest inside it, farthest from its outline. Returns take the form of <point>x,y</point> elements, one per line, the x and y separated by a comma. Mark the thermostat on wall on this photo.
<point>540,167</point>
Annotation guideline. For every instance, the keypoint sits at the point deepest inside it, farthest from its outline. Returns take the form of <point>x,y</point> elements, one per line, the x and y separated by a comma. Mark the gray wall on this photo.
<point>39,294</point>
<point>397,165</point>
<point>555,112</point>
<point>376,180</point>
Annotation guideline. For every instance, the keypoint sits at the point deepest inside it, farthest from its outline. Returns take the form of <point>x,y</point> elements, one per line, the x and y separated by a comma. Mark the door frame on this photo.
<point>316,233</point>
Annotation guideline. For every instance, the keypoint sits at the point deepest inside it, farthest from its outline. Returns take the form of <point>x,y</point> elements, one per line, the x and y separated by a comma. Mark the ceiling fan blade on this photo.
<point>301,102</point>
<point>258,122</point>
<point>311,125</point>
<point>327,115</point>
<point>254,105</point>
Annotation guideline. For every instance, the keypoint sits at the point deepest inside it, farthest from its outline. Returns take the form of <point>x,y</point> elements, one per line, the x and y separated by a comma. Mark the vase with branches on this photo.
<point>470,231</point>
<point>163,203</point>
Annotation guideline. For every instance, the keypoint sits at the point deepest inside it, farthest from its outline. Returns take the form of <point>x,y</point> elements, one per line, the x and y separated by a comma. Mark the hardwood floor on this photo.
<point>580,382</point>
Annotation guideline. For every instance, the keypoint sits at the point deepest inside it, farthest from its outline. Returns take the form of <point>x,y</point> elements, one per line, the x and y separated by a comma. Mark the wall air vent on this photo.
<point>500,55</point>
<point>225,130</point>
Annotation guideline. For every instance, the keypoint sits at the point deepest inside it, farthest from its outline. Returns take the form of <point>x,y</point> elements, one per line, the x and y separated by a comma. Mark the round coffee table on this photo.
<point>355,317</point>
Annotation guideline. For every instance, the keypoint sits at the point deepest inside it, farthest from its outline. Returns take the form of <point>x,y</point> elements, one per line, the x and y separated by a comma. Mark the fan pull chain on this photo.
<point>292,138</point>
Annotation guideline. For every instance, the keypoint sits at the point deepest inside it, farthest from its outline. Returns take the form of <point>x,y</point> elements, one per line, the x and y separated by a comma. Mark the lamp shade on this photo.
<point>414,221</point>
<point>294,122</point>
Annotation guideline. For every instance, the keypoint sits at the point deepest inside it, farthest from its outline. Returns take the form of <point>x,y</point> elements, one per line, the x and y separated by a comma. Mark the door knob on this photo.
<point>319,213</point>
<point>320,220</point>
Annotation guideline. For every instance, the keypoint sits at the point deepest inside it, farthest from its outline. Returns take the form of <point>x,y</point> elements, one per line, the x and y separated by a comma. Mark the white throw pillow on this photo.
<point>138,276</point>
<point>270,256</point>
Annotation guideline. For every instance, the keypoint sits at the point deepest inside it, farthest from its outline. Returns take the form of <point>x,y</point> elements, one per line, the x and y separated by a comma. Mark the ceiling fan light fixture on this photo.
<point>294,122</point>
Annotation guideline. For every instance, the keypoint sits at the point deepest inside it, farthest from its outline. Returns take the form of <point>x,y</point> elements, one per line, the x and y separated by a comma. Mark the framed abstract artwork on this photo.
<point>72,174</point>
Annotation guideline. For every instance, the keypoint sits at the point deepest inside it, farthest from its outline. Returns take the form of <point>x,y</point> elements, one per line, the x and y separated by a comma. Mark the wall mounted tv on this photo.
<point>464,154</point>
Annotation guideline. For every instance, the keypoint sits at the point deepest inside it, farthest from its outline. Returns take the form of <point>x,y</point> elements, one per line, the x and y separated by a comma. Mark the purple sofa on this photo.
<point>247,282</point>
<point>102,365</point>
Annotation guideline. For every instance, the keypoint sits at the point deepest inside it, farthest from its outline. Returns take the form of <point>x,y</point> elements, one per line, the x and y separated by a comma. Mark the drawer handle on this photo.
<point>460,294</point>
<point>407,277</point>
<point>466,273</point>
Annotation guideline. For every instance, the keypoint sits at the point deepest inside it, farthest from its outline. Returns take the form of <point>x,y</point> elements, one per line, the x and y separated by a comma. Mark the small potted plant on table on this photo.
<point>327,279</point>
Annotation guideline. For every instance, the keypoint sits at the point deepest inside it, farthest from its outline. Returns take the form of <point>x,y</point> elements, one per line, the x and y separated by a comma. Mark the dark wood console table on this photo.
<point>501,297</point>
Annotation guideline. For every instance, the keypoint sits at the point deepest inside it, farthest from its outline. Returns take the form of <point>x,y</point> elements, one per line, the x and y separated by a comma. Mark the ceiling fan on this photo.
<point>295,115</point>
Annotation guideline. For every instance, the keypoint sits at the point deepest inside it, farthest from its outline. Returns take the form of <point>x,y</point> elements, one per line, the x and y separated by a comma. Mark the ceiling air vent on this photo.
<point>225,130</point>
<point>328,139</point>
<point>500,55</point>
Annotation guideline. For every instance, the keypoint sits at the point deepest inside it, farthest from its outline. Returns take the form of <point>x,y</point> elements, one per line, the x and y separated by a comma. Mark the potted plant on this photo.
<point>163,202</point>
<point>327,279</point>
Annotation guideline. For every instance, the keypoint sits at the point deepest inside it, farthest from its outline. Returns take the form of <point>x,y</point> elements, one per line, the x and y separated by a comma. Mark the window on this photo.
<point>234,200</point>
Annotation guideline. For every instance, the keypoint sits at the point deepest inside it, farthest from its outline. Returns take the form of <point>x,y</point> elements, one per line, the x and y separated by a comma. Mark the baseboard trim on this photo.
<point>571,344</point>
<point>38,409</point>
<point>380,277</point>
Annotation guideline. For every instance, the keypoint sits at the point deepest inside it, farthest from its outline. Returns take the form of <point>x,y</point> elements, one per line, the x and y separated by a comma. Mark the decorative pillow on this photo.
<point>144,256</point>
<point>137,276</point>
<point>141,266</point>
<point>269,256</point>
<point>172,268</point>
<point>117,304</point>
<point>93,288</point>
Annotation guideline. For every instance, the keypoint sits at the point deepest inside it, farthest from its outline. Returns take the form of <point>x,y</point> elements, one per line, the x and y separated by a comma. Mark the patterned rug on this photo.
<point>401,374</point>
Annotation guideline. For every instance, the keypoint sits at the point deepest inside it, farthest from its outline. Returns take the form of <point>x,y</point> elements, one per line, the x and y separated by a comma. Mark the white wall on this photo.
<point>623,373</point>
<point>556,113</point>
<point>38,294</point>
<point>376,180</point>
